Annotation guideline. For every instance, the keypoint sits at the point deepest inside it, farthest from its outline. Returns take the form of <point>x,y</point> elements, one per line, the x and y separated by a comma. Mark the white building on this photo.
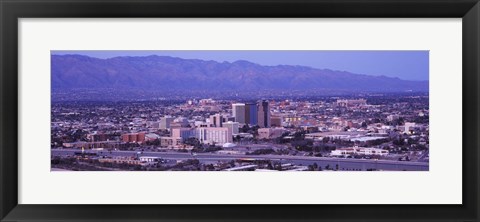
<point>359,151</point>
<point>182,121</point>
<point>232,126</point>
<point>392,117</point>
<point>207,135</point>
<point>213,135</point>
<point>372,151</point>
<point>151,136</point>
<point>351,102</point>
<point>343,152</point>
<point>149,159</point>
<point>408,126</point>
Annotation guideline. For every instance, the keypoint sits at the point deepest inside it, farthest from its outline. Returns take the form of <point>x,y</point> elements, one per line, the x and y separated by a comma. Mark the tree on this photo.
<point>303,145</point>
<point>399,142</point>
<point>254,131</point>
<point>192,141</point>
<point>245,128</point>
<point>261,152</point>
<point>237,138</point>
<point>326,139</point>
<point>269,166</point>
<point>299,135</point>
<point>155,142</point>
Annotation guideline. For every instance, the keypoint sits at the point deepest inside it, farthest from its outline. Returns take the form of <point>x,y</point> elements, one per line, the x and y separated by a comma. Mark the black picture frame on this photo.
<point>12,10</point>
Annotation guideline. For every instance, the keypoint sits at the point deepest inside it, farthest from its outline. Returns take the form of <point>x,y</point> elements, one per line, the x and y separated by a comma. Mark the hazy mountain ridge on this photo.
<point>170,73</point>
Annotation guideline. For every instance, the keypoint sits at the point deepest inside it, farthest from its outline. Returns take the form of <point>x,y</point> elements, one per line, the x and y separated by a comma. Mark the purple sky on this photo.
<point>408,65</point>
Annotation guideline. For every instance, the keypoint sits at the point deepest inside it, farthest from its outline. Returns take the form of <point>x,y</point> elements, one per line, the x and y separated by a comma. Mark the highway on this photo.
<point>346,164</point>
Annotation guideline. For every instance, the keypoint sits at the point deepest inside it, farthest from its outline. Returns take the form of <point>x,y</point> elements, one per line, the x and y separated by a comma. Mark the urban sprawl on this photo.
<point>369,132</point>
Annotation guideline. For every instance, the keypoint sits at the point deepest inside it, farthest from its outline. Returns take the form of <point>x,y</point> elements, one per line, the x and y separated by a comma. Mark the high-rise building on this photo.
<point>238,111</point>
<point>251,116</point>
<point>216,120</point>
<point>165,122</point>
<point>232,127</point>
<point>263,114</point>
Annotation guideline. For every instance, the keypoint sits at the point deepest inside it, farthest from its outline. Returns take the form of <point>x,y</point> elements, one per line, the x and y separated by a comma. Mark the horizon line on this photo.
<point>58,53</point>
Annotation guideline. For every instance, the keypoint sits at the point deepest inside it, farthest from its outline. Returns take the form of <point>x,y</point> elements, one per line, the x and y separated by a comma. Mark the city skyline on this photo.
<point>163,113</point>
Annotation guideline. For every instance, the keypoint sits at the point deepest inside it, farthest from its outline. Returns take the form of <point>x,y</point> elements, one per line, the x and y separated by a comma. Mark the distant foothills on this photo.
<point>164,73</point>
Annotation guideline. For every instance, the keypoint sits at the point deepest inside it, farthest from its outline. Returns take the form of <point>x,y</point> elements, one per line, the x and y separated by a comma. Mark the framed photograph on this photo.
<point>225,110</point>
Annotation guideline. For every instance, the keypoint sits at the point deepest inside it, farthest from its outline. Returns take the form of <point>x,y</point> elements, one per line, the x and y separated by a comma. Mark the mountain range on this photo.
<point>161,73</point>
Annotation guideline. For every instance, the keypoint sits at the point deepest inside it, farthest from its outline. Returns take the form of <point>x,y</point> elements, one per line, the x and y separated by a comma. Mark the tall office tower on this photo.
<point>216,120</point>
<point>251,116</point>
<point>238,111</point>
<point>263,114</point>
<point>165,122</point>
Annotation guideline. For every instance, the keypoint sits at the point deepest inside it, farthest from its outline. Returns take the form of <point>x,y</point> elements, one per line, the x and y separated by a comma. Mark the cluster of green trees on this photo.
<point>192,141</point>
<point>209,149</point>
<point>250,129</point>
<point>66,161</point>
<point>198,147</point>
<point>410,144</point>
<point>261,152</point>
<point>155,142</point>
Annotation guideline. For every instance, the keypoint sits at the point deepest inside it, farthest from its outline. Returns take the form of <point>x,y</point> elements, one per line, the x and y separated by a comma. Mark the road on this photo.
<point>346,164</point>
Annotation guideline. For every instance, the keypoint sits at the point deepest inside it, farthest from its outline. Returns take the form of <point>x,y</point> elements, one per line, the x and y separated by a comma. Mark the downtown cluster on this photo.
<point>351,133</point>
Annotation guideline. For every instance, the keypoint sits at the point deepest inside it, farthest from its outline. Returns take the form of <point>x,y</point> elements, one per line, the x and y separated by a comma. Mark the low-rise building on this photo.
<point>276,121</point>
<point>270,133</point>
<point>351,102</point>
<point>408,127</point>
<point>151,136</point>
<point>124,160</point>
<point>93,145</point>
<point>206,135</point>
<point>133,137</point>
<point>359,151</point>
<point>214,135</point>
<point>172,142</point>
<point>150,159</point>
<point>183,133</point>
